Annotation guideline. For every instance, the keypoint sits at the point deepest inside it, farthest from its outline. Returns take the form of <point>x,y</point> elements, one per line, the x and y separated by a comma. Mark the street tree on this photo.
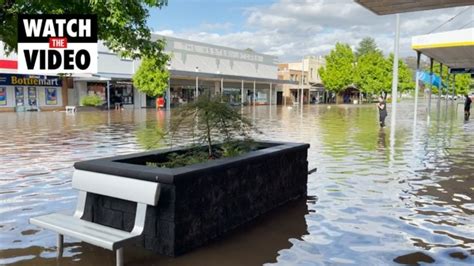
<point>370,73</point>
<point>339,70</point>
<point>366,46</point>
<point>122,25</point>
<point>152,76</point>
<point>405,76</point>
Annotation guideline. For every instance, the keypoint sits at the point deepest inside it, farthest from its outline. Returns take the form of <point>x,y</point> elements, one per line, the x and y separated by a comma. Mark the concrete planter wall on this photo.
<point>203,201</point>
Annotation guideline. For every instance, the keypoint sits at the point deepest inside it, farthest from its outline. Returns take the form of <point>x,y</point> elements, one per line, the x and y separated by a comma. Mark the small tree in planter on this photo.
<point>213,124</point>
<point>152,76</point>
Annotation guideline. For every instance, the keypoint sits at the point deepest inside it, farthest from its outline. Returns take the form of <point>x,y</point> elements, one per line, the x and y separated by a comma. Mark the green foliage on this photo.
<point>91,100</point>
<point>370,74</point>
<point>405,76</point>
<point>152,76</point>
<point>175,159</point>
<point>463,81</point>
<point>211,118</point>
<point>366,46</point>
<point>199,155</point>
<point>122,25</point>
<point>339,69</point>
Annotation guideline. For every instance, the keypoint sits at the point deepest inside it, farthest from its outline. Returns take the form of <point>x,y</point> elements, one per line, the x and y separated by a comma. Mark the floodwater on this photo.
<point>379,196</point>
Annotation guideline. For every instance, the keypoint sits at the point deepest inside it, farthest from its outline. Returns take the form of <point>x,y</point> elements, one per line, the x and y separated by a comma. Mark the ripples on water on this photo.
<point>375,200</point>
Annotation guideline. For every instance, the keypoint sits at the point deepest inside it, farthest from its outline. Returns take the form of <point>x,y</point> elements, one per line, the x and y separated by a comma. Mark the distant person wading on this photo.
<point>467,107</point>
<point>382,106</point>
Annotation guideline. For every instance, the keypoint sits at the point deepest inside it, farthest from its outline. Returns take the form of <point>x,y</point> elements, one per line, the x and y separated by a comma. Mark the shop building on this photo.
<point>240,76</point>
<point>307,83</point>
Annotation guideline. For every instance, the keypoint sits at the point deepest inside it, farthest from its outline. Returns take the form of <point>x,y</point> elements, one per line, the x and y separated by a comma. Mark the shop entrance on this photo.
<point>279,97</point>
<point>150,102</point>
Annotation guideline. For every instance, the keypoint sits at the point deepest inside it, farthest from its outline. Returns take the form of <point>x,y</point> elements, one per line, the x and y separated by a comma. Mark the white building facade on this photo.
<point>241,76</point>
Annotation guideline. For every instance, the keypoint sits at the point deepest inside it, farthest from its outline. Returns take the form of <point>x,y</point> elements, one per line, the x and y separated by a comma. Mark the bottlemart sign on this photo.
<point>49,44</point>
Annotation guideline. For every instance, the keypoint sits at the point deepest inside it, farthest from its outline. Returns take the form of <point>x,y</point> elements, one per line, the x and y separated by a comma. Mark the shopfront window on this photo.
<point>121,92</point>
<point>98,89</point>
<point>3,96</point>
<point>51,96</point>
<point>19,96</point>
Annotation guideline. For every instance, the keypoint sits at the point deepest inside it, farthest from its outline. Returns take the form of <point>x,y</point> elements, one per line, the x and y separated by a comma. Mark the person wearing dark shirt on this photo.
<point>467,107</point>
<point>382,106</point>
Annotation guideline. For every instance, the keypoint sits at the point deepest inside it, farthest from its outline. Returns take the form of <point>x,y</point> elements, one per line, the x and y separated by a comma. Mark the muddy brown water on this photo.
<point>379,197</point>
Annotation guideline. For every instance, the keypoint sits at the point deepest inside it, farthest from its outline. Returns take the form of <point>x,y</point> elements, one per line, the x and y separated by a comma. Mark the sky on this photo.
<point>291,29</point>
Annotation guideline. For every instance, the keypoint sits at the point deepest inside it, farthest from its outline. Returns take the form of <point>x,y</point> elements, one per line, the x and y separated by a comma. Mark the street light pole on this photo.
<point>196,91</point>
<point>302,90</point>
<point>395,71</point>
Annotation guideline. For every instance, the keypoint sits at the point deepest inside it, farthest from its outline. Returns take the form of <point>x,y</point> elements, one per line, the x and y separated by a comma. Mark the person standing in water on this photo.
<point>467,107</point>
<point>382,106</point>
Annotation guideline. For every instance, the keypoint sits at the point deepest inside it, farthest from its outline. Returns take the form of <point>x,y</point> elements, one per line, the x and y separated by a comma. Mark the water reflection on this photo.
<point>383,196</point>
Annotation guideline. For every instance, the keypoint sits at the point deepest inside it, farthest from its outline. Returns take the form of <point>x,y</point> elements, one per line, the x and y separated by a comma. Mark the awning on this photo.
<point>385,7</point>
<point>235,78</point>
<point>454,49</point>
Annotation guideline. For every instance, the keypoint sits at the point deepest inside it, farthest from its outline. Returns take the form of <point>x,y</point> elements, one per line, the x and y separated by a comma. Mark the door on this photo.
<point>150,102</point>
<point>279,97</point>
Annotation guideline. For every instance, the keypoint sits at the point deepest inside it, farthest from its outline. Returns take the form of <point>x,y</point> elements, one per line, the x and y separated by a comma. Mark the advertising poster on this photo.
<point>51,96</point>
<point>32,96</point>
<point>19,96</point>
<point>3,96</point>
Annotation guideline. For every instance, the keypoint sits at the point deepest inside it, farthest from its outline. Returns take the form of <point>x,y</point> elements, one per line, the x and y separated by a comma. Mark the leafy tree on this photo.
<point>405,76</point>
<point>370,73</point>
<point>152,76</point>
<point>121,24</point>
<point>366,46</point>
<point>339,69</point>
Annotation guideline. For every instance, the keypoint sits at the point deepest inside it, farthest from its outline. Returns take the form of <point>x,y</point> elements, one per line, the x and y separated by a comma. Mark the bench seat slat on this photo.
<point>96,234</point>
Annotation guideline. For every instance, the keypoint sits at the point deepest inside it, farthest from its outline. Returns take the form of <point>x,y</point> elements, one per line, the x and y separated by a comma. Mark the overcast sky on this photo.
<point>291,29</point>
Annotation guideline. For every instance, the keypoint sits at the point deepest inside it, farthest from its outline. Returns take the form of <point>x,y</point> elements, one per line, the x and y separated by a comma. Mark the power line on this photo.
<point>449,20</point>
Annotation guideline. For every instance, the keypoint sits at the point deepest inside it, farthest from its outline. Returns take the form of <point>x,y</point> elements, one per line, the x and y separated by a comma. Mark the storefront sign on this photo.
<point>30,80</point>
<point>3,96</point>
<point>57,44</point>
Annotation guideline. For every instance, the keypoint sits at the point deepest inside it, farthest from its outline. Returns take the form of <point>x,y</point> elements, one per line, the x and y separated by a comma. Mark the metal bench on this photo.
<point>142,192</point>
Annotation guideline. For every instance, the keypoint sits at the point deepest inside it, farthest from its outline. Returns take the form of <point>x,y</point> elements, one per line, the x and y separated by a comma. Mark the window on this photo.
<point>51,96</point>
<point>3,96</point>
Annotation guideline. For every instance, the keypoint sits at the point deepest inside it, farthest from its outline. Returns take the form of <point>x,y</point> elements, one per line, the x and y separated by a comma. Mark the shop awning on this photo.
<point>385,7</point>
<point>211,76</point>
<point>454,49</point>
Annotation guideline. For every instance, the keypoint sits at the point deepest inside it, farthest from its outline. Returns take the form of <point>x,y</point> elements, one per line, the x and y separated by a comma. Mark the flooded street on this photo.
<point>379,197</point>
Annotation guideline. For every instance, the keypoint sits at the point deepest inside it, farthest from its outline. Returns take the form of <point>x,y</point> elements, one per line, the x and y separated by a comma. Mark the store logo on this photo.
<point>50,44</point>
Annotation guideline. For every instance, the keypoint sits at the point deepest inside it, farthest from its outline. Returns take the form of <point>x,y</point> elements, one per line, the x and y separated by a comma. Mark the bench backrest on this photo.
<point>117,187</point>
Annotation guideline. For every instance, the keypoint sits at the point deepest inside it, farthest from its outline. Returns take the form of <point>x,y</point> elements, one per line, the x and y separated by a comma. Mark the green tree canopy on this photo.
<point>339,70</point>
<point>370,73</point>
<point>152,76</point>
<point>405,76</point>
<point>367,46</point>
<point>121,24</point>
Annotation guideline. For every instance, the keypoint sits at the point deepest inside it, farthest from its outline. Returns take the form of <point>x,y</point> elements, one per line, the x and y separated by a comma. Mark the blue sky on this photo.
<point>291,29</point>
<point>182,15</point>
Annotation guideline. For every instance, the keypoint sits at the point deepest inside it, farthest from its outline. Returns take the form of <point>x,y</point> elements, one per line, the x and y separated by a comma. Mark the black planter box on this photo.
<point>203,201</point>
